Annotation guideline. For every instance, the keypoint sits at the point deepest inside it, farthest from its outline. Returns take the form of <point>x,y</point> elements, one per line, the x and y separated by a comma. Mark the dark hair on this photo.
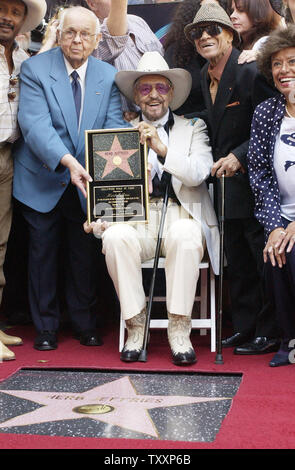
<point>287,14</point>
<point>281,38</point>
<point>261,15</point>
<point>184,14</point>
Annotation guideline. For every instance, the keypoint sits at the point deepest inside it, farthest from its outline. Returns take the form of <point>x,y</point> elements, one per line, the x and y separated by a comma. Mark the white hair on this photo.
<point>78,7</point>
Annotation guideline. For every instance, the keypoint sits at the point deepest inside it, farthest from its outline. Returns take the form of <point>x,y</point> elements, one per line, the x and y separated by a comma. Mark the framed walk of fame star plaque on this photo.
<point>117,163</point>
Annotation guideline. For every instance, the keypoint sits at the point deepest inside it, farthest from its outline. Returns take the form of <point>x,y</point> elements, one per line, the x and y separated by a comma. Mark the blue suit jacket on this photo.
<point>47,118</point>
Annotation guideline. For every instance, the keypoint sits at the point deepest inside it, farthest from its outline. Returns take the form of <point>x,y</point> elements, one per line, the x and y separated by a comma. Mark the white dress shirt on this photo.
<point>157,166</point>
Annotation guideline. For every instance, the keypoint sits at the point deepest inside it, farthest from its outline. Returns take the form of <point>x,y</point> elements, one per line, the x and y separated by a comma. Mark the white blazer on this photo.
<point>189,160</point>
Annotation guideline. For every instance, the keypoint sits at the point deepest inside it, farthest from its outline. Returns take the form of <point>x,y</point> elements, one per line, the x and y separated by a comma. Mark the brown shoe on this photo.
<point>5,353</point>
<point>10,340</point>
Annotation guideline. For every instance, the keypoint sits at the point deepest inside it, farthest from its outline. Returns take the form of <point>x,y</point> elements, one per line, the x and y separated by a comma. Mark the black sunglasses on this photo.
<point>211,29</point>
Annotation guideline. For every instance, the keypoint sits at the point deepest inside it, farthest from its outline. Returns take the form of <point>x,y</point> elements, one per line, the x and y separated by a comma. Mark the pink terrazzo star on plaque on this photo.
<point>115,403</point>
<point>116,157</point>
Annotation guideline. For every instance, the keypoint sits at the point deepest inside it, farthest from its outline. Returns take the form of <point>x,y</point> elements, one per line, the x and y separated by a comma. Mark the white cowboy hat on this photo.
<point>152,63</point>
<point>36,10</point>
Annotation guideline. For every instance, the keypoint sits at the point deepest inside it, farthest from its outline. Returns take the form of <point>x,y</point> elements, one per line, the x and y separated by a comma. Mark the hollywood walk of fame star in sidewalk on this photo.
<point>117,403</point>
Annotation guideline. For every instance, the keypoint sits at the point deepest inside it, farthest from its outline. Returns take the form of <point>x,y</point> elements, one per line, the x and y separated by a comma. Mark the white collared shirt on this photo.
<point>9,130</point>
<point>152,156</point>
<point>81,71</point>
<point>125,51</point>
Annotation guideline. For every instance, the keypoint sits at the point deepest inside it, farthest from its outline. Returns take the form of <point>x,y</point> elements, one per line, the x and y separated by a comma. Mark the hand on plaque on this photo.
<point>79,175</point>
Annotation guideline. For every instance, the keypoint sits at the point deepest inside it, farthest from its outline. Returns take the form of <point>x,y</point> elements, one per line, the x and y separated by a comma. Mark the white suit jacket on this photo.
<point>189,160</point>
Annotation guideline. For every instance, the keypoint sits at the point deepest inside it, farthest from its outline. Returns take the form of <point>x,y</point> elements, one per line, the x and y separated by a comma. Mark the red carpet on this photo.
<point>262,415</point>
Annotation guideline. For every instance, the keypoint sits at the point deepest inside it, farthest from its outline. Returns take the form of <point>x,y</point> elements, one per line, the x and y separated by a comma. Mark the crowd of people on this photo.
<point>215,100</point>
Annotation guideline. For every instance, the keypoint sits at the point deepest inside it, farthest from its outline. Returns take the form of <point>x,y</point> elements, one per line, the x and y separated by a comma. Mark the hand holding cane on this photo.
<point>143,353</point>
<point>219,357</point>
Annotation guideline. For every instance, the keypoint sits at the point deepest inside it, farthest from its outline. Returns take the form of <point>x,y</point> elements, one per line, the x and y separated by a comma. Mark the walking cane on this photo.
<point>143,354</point>
<point>218,357</point>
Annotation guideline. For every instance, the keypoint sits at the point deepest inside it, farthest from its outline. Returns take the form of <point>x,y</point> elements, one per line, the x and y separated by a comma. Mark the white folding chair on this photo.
<point>207,317</point>
<point>206,320</point>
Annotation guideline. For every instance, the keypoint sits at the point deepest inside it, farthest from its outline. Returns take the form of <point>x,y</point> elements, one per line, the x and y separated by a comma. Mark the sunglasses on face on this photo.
<point>145,89</point>
<point>11,92</point>
<point>211,30</point>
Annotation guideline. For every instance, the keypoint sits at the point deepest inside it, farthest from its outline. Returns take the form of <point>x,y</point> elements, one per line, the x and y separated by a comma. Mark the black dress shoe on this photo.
<point>236,340</point>
<point>45,341</point>
<point>184,359</point>
<point>281,358</point>
<point>130,355</point>
<point>89,338</point>
<point>259,345</point>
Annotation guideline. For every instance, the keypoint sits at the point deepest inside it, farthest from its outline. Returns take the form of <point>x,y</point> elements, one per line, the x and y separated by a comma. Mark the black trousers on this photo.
<point>46,230</point>
<point>280,283</point>
<point>252,311</point>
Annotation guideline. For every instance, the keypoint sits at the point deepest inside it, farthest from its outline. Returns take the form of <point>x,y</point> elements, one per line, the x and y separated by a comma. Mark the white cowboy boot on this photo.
<point>10,340</point>
<point>179,329</point>
<point>5,353</point>
<point>133,346</point>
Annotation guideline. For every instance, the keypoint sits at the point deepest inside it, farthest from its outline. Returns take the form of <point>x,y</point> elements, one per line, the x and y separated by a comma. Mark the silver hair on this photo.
<point>64,12</point>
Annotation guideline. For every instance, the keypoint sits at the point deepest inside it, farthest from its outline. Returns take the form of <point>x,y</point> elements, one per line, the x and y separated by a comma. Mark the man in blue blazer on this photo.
<point>55,109</point>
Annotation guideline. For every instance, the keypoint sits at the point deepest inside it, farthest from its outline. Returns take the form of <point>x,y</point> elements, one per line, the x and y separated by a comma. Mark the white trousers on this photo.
<point>126,246</point>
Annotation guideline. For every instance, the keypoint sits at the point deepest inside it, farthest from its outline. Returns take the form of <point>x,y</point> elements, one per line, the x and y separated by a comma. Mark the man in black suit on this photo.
<point>231,92</point>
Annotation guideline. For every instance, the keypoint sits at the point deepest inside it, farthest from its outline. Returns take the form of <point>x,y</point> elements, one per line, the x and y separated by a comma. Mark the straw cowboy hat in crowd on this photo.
<point>36,10</point>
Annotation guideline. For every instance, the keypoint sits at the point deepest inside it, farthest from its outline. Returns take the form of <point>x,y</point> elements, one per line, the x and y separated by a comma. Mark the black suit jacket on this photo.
<point>195,101</point>
<point>240,90</point>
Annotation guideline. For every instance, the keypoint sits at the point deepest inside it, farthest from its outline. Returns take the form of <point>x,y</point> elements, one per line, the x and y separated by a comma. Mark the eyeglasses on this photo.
<point>11,92</point>
<point>211,30</point>
<point>71,34</point>
<point>145,88</point>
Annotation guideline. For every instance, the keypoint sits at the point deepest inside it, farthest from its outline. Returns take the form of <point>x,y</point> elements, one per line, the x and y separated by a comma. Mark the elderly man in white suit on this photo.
<point>182,149</point>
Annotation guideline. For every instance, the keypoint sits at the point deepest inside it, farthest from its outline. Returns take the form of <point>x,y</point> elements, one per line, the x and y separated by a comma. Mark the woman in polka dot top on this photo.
<point>271,166</point>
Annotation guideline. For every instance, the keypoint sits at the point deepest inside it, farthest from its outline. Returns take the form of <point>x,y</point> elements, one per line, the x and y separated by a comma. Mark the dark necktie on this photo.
<point>76,87</point>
